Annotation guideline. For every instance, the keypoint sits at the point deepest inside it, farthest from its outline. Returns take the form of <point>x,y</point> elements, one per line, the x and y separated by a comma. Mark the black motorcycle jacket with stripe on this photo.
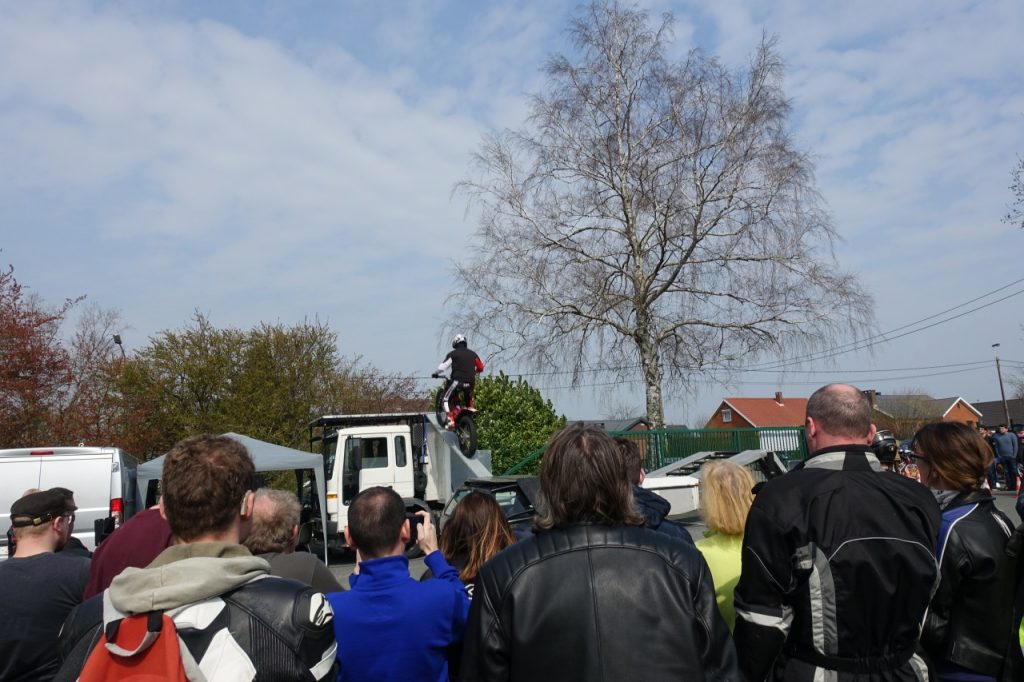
<point>838,570</point>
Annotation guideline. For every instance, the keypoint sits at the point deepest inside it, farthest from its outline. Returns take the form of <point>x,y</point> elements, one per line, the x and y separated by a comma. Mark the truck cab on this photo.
<point>407,451</point>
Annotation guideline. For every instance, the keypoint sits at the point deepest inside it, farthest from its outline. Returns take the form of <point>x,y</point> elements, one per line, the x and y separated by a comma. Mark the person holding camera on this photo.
<point>390,626</point>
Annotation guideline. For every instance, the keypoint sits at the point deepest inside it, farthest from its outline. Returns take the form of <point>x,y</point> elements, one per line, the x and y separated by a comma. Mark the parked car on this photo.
<point>515,496</point>
<point>102,479</point>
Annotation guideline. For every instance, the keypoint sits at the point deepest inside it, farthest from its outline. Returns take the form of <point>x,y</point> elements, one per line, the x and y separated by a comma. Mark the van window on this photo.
<point>400,457</point>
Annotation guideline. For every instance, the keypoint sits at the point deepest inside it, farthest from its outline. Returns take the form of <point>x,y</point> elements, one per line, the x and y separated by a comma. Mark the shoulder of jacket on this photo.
<point>548,546</point>
<point>283,602</point>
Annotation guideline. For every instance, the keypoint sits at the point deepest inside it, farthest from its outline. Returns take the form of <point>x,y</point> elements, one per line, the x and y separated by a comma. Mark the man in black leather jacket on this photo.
<point>838,559</point>
<point>594,595</point>
<point>234,620</point>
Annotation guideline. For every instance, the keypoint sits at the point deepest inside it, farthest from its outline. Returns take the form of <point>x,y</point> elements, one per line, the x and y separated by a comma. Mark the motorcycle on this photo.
<point>460,419</point>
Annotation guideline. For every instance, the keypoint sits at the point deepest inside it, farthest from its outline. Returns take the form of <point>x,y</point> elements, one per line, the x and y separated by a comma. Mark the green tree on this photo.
<point>267,382</point>
<point>513,420</point>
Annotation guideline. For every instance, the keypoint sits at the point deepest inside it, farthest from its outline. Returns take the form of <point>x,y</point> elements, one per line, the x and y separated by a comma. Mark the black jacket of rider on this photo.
<point>465,364</point>
<point>592,602</point>
<point>969,619</point>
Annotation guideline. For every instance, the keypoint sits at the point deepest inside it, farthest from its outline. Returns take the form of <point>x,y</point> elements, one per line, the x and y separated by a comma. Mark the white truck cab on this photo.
<point>101,478</point>
<point>407,451</point>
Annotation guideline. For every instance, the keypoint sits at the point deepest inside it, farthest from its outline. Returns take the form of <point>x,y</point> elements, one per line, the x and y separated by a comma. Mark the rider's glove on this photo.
<point>435,375</point>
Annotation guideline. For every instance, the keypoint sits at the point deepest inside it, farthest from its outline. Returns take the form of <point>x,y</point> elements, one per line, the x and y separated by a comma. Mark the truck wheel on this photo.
<point>465,429</point>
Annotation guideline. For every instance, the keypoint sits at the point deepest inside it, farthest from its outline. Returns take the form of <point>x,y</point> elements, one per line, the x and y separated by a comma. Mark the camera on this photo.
<point>415,521</point>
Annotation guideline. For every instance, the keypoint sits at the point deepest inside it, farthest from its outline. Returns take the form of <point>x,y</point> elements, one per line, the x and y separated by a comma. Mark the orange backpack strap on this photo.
<point>136,648</point>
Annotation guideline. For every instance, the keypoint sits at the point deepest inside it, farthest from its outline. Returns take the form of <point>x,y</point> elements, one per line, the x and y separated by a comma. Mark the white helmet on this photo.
<point>457,339</point>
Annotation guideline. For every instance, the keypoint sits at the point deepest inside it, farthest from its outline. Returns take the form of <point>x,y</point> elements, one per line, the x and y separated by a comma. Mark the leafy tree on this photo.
<point>267,382</point>
<point>652,214</point>
<point>35,368</point>
<point>513,419</point>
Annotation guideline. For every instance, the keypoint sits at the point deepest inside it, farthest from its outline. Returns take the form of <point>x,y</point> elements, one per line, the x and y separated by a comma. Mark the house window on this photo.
<point>727,415</point>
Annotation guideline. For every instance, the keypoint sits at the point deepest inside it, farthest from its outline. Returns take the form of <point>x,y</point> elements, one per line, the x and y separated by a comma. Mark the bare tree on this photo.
<point>1015,216</point>
<point>652,215</point>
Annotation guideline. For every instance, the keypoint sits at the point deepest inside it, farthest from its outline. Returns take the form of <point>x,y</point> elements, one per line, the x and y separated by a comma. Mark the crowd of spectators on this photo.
<point>837,570</point>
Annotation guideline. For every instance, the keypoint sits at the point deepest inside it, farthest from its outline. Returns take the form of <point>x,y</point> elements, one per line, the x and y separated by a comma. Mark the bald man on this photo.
<point>838,559</point>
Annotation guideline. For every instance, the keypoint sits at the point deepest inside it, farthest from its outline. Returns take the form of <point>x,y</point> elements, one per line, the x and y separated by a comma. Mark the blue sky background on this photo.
<point>277,161</point>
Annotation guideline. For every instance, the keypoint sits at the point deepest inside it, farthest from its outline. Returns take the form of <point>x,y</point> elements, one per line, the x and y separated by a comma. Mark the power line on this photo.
<point>883,337</point>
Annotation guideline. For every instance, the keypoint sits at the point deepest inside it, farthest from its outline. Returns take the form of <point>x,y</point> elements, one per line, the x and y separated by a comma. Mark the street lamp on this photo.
<point>1002,392</point>
<point>117,342</point>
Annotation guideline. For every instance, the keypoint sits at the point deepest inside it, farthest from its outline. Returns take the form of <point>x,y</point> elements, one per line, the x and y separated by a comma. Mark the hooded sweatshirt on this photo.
<point>233,619</point>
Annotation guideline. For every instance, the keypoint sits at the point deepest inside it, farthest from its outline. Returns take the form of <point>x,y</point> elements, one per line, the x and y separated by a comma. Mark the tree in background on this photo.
<point>513,420</point>
<point>652,215</point>
<point>35,368</point>
<point>1015,216</point>
<point>267,382</point>
<point>91,409</point>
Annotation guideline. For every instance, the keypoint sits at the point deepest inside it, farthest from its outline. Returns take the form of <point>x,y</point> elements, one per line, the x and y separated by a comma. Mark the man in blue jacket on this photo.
<point>390,626</point>
<point>1005,445</point>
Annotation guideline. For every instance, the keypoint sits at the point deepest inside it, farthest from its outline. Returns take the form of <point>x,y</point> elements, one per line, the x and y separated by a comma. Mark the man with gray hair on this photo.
<point>275,529</point>
<point>838,559</point>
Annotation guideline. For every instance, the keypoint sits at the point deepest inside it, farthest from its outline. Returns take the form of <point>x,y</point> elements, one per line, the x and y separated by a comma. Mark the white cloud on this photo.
<point>171,163</point>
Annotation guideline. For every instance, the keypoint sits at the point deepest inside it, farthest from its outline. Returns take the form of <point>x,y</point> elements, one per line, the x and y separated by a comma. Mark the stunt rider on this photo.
<point>465,365</point>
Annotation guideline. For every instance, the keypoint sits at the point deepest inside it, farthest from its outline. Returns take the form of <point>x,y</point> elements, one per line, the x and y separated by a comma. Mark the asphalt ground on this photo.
<point>343,564</point>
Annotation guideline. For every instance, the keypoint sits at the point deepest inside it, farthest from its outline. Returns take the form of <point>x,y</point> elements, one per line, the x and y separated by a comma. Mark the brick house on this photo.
<point>992,412</point>
<point>905,414</point>
<point>749,413</point>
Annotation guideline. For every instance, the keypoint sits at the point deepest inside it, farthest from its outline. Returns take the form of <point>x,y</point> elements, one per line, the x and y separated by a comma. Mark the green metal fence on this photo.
<point>664,446</point>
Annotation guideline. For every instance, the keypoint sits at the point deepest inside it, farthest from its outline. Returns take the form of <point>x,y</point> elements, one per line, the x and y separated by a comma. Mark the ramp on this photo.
<point>450,468</point>
<point>764,464</point>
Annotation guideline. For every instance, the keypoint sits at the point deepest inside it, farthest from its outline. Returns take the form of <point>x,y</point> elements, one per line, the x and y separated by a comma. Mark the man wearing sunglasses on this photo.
<point>38,586</point>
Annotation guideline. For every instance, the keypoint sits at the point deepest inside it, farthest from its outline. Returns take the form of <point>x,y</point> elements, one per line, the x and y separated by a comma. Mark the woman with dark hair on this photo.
<point>476,531</point>
<point>967,630</point>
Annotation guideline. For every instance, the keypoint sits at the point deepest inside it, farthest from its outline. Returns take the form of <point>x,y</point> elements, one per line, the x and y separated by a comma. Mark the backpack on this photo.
<point>142,648</point>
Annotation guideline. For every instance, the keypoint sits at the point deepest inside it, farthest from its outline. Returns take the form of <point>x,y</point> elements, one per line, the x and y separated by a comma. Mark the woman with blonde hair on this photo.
<point>725,499</point>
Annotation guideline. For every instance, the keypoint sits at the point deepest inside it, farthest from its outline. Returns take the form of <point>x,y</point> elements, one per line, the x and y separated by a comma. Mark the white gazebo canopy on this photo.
<point>267,457</point>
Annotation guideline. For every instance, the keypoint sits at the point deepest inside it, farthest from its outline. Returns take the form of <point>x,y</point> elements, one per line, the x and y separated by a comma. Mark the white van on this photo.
<point>102,479</point>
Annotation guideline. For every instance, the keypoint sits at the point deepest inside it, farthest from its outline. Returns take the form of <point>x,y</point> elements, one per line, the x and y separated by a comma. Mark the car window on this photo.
<point>511,501</point>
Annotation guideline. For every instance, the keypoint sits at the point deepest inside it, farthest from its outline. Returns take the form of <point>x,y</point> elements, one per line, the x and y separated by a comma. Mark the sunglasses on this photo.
<point>913,458</point>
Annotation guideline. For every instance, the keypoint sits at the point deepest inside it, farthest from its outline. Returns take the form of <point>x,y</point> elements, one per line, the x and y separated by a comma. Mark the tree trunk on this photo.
<point>650,361</point>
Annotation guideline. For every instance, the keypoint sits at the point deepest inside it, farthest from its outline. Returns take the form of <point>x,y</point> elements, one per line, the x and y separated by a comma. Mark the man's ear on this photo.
<point>349,541</point>
<point>643,475</point>
<point>871,433</point>
<point>404,535</point>
<point>163,512</point>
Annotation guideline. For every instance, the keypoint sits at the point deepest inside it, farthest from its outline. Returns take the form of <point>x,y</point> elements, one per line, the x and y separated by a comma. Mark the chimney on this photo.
<point>778,397</point>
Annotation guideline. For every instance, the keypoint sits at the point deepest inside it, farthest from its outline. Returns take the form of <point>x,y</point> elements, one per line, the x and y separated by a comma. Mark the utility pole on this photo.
<point>1002,392</point>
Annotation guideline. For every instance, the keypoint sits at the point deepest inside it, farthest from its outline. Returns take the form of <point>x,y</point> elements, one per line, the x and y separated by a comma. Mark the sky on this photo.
<point>281,161</point>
